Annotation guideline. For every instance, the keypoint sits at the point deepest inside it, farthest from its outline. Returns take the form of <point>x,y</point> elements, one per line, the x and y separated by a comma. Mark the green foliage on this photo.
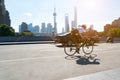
<point>17,34</point>
<point>27,34</point>
<point>114,32</point>
<point>101,34</point>
<point>6,30</point>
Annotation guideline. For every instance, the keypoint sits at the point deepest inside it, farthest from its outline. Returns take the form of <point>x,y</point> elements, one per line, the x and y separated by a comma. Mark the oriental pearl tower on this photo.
<point>55,23</point>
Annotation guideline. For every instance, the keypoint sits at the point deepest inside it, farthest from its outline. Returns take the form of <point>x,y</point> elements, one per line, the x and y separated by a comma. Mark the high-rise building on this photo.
<point>75,17</point>
<point>43,28</point>
<point>63,30</point>
<point>36,29</point>
<point>23,27</point>
<point>30,27</point>
<point>116,23</point>
<point>4,14</point>
<point>55,23</point>
<point>49,28</point>
<point>66,23</point>
<point>72,24</point>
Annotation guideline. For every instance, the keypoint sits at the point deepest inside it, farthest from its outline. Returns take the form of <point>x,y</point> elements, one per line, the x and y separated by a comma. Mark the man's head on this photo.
<point>84,26</point>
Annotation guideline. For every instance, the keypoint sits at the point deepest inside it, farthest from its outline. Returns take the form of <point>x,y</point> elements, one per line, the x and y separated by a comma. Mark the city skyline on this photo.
<point>92,12</point>
<point>45,28</point>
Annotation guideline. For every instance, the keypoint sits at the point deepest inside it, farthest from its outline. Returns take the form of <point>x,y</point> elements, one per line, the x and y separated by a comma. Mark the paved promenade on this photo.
<point>49,62</point>
<point>113,74</point>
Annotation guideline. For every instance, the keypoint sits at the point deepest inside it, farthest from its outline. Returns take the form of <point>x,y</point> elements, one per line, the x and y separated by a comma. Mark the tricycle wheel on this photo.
<point>87,48</point>
<point>70,48</point>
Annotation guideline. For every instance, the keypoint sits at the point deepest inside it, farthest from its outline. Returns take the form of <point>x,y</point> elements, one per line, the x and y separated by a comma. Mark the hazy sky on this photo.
<point>89,12</point>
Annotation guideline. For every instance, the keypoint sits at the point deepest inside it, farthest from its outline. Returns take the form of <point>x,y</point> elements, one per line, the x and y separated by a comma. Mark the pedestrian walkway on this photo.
<point>104,75</point>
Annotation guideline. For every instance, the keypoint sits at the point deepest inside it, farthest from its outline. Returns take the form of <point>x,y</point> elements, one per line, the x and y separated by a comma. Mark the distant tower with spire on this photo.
<point>55,23</point>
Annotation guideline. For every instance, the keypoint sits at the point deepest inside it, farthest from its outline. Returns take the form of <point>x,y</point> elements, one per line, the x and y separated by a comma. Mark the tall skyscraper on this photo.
<point>30,27</point>
<point>4,14</point>
<point>23,27</point>
<point>36,29</point>
<point>49,28</point>
<point>63,30</point>
<point>72,24</point>
<point>66,23</point>
<point>55,23</point>
<point>75,16</point>
<point>43,28</point>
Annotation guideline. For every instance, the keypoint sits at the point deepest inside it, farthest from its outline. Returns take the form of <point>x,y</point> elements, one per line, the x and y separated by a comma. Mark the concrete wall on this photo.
<point>25,38</point>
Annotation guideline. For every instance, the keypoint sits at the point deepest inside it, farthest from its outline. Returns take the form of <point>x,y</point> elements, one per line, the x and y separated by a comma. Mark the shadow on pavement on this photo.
<point>71,57</point>
<point>59,45</point>
<point>84,60</point>
<point>87,60</point>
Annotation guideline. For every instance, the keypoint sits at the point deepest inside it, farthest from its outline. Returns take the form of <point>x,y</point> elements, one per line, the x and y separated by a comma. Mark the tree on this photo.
<point>27,33</point>
<point>6,30</point>
<point>108,27</point>
<point>114,32</point>
<point>101,34</point>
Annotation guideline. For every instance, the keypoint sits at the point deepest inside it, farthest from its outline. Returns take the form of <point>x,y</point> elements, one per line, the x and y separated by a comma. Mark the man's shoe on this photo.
<point>70,49</point>
<point>77,50</point>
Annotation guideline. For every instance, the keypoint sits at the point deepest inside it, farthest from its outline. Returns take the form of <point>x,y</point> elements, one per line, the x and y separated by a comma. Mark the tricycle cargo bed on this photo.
<point>64,38</point>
